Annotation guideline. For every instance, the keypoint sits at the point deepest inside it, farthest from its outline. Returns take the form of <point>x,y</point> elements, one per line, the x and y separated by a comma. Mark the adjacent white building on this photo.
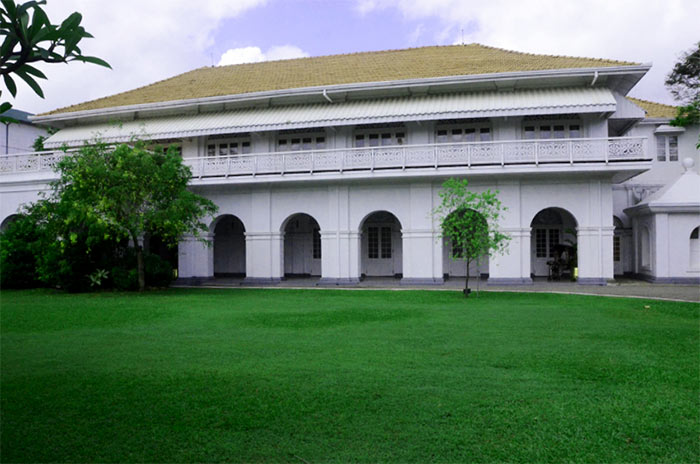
<point>18,136</point>
<point>330,167</point>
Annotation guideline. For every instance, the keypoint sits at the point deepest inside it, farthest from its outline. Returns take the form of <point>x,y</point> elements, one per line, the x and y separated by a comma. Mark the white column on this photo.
<point>595,257</point>
<point>264,257</point>
<point>512,267</point>
<point>418,255</point>
<point>418,238</point>
<point>661,251</point>
<point>196,258</point>
<point>340,251</point>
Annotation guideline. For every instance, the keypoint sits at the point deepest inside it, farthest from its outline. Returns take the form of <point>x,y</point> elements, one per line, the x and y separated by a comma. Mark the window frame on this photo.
<point>243,143</point>
<point>396,137</point>
<point>305,141</point>
<point>663,150</point>
<point>462,129</point>
<point>551,125</point>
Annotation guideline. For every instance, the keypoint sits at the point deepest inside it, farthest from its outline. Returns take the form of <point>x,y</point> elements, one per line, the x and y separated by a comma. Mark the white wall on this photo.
<point>18,138</point>
<point>341,209</point>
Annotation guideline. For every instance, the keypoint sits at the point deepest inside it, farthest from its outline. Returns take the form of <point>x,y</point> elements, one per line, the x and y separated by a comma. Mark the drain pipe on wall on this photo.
<point>595,78</point>
<point>325,95</point>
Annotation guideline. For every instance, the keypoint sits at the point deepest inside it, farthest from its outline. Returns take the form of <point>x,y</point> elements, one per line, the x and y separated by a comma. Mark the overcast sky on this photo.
<point>149,40</point>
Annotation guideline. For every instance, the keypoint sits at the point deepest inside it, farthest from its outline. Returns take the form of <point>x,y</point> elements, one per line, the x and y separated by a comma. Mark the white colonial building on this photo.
<point>330,166</point>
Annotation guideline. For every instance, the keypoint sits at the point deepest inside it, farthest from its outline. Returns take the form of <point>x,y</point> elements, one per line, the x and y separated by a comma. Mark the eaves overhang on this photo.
<point>618,78</point>
<point>400,109</point>
<point>647,209</point>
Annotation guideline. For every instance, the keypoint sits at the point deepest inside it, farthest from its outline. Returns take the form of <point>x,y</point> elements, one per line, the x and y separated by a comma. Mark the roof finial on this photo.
<point>688,163</point>
<point>462,36</point>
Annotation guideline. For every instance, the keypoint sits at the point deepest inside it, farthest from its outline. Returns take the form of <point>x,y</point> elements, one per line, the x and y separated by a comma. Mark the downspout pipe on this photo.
<point>325,95</point>
<point>595,78</point>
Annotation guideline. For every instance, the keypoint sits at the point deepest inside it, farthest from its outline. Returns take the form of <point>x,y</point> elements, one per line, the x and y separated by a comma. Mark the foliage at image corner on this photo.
<point>684,84</point>
<point>30,37</point>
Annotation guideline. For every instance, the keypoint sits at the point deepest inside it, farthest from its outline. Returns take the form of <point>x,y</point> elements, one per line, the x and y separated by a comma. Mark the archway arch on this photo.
<point>302,246</point>
<point>695,249</point>
<point>7,221</point>
<point>454,266</point>
<point>381,245</point>
<point>553,243</point>
<point>229,246</point>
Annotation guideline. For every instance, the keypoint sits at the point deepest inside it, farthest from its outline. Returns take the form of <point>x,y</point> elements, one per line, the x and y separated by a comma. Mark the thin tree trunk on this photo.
<point>140,268</point>
<point>466,282</point>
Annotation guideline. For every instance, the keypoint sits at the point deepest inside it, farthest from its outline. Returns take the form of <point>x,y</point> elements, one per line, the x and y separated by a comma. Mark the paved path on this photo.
<point>620,288</point>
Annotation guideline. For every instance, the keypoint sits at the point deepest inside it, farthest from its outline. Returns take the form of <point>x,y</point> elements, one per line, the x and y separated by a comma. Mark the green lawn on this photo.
<point>318,376</point>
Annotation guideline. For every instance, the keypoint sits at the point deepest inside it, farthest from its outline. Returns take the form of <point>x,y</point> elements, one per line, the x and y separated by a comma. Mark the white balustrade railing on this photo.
<point>470,155</point>
<point>401,157</point>
<point>31,162</point>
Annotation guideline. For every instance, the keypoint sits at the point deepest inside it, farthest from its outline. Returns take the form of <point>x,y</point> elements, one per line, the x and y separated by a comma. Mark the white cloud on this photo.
<point>144,41</point>
<point>653,31</point>
<point>256,55</point>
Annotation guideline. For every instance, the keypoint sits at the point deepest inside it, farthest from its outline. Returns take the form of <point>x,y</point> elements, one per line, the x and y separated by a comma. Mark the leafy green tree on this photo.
<point>30,38</point>
<point>127,192</point>
<point>469,221</point>
<point>684,83</point>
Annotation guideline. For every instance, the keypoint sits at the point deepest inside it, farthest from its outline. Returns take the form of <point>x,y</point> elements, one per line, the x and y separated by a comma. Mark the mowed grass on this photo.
<point>337,376</point>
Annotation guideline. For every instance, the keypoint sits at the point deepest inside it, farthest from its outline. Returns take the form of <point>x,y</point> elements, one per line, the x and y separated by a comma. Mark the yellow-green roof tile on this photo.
<point>379,66</point>
<point>655,110</point>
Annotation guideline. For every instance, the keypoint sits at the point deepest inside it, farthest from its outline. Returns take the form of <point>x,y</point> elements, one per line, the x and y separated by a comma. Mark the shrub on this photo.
<point>125,279</point>
<point>159,272</point>
<point>18,254</point>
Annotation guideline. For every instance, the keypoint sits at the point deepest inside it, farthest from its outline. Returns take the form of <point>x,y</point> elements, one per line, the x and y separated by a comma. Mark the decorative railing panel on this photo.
<point>471,155</point>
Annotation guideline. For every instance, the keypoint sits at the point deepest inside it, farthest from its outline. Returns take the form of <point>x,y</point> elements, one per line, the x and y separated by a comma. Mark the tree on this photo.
<point>684,83</point>
<point>130,191</point>
<point>470,222</point>
<point>30,38</point>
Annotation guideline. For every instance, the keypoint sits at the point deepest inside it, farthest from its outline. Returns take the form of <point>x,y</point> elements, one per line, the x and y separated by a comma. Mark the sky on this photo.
<point>149,40</point>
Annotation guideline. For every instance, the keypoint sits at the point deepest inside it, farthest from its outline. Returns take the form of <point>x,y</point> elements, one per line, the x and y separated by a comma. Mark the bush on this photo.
<point>159,272</point>
<point>125,279</point>
<point>18,254</point>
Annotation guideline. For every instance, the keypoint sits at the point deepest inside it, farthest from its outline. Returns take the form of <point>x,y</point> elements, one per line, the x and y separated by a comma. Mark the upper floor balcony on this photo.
<point>618,156</point>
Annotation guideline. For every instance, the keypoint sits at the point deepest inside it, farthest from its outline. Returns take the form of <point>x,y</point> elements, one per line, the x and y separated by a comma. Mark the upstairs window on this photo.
<point>461,131</point>
<point>226,147</point>
<point>379,137</point>
<point>667,148</point>
<point>557,130</point>
<point>299,142</point>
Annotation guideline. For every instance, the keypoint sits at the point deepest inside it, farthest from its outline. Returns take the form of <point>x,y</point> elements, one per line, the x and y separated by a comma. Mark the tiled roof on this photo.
<point>413,63</point>
<point>655,110</point>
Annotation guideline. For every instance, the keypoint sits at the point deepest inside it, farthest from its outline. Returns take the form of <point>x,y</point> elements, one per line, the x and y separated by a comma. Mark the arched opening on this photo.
<point>553,244</point>
<point>7,221</point>
<point>618,246</point>
<point>695,249</point>
<point>454,263</point>
<point>229,247</point>
<point>381,246</point>
<point>645,248</point>
<point>302,246</point>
